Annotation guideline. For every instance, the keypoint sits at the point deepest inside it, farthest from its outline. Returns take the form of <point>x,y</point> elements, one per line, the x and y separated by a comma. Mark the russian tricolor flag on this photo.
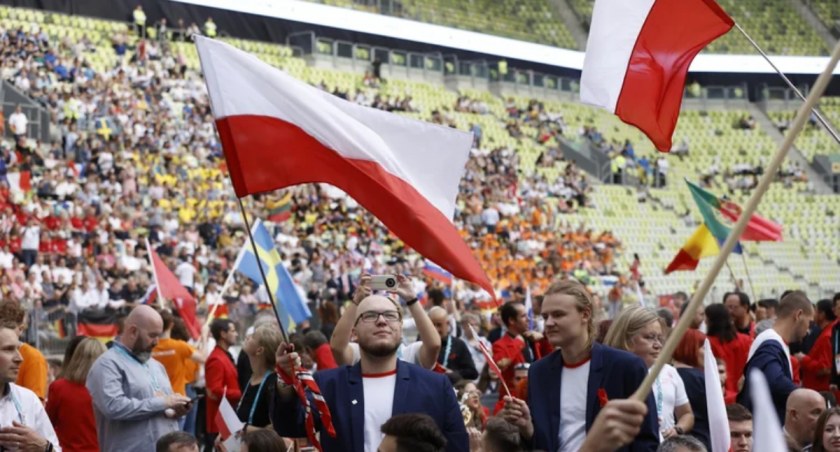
<point>435,272</point>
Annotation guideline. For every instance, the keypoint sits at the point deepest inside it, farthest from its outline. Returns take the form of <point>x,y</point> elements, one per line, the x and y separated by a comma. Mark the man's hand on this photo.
<point>22,438</point>
<point>363,290</point>
<point>617,424</point>
<point>516,412</point>
<point>405,289</point>
<point>175,401</point>
<point>533,336</point>
<point>287,359</point>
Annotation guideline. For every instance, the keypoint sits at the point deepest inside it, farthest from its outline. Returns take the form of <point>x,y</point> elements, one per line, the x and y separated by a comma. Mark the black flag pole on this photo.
<point>790,84</point>
<point>262,272</point>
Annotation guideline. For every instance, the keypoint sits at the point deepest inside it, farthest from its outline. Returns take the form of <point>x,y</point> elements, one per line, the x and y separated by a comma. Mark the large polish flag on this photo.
<point>637,58</point>
<point>277,131</point>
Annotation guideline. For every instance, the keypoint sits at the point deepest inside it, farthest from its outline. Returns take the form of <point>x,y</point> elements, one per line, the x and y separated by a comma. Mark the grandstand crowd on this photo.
<point>132,155</point>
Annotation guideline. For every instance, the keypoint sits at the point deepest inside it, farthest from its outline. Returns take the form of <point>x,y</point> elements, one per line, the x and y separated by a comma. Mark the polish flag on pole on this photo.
<point>637,58</point>
<point>228,423</point>
<point>277,131</point>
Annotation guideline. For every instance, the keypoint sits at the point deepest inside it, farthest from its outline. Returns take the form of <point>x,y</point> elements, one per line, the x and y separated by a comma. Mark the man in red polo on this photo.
<point>220,375</point>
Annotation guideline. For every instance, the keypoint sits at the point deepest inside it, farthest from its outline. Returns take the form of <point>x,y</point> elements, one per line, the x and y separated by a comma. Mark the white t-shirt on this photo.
<point>573,384</point>
<point>669,392</point>
<point>409,353</point>
<point>379,403</point>
<point>18,122</point>
<point>31,238</point>
<point>185,272</point>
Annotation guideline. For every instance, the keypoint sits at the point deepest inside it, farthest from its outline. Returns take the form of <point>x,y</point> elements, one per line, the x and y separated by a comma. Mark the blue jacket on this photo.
<point>416,391</point>
<point>771,360</point>
<point>618,372</point>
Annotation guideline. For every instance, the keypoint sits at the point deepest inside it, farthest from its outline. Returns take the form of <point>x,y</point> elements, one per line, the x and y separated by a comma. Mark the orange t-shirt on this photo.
<point>173,354</point>
<point>33,371</point>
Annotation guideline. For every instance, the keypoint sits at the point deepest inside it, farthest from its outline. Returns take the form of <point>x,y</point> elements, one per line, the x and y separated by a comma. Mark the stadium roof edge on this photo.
<point>398,28</point>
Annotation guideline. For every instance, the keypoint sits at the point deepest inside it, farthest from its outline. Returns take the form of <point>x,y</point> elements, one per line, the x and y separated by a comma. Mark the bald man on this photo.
<point>133,402</point>
<point>804,407</point>
<point>365,395</point>
<point>455,356</point>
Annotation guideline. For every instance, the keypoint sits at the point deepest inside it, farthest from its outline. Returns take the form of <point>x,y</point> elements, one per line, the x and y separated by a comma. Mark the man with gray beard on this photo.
<point>133,401</point>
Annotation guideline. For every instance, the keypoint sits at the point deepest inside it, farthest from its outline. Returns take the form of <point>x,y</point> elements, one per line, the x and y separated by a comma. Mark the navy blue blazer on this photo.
<point>417,390</point>
<point>771,360</point>
<point>618,372</point>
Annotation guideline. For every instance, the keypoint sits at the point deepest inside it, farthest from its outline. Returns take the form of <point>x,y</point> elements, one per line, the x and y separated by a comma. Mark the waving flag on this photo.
<point>290,304</point>
<point>280,210</point>
<point>767,431</point>
<point>171,289</point>
<point>638,54</point>
<point>758,229</point>
<point>701,244</point>
<point>435,272</point>
<point>709,236</point>
<point>715,405</point>
<point>277,131</point>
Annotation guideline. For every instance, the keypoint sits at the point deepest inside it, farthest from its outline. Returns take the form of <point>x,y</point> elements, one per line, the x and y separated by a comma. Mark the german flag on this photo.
<point>97,324</point>
<point>59,327</point>
<point>280,210</point>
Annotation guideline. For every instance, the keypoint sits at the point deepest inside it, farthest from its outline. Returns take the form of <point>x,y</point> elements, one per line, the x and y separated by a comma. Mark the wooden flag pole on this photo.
<point>262,272</point>
<point>764,183</point>
<point>790,84</point>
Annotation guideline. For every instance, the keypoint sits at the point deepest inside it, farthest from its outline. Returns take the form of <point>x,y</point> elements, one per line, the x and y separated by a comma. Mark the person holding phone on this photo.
<point>424,352</point>
<point>133,401</point>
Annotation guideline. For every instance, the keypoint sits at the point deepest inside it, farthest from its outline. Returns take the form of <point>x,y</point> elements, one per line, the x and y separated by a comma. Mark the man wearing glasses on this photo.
<point>363,396</point>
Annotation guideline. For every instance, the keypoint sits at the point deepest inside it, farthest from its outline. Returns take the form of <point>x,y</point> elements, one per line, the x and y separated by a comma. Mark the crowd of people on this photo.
<point>549,376</point>
<point>132,155</point>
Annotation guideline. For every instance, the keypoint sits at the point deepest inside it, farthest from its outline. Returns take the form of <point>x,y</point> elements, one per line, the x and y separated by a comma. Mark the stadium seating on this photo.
<point>656,228</point>
<point>829,13</point>
<point>774,24</point>
<point>814,140</point>
<point>526,20</point>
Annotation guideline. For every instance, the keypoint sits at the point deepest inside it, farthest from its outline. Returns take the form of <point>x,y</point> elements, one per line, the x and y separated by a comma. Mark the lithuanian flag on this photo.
<point>709,237</point>
<point>280,210</point>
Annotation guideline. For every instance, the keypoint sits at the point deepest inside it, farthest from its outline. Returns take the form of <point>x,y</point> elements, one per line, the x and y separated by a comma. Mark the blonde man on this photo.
<point>568,388</point>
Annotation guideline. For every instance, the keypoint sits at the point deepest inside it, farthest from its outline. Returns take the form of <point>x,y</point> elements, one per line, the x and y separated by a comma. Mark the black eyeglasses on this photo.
<point>390,316</point>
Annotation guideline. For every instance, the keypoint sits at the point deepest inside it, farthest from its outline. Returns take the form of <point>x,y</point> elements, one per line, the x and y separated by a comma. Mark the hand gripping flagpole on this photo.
<point>790,84</point>
<point>763,184</point>
<point>262,272</point>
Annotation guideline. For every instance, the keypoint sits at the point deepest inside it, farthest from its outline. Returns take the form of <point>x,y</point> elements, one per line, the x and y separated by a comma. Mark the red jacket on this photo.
<point>734,355</point>
<point>819,359</point>
<point>511,348</point>
<point>221,378</point>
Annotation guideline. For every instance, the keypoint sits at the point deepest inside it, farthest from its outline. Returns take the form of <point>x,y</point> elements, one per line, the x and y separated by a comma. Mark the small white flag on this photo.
<point>767,431</point>
<point>715,404</point>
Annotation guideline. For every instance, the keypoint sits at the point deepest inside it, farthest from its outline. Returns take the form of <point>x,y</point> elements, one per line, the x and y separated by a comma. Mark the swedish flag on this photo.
<point>291,306</point>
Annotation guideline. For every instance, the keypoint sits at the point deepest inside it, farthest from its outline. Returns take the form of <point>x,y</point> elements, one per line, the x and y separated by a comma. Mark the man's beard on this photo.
<point>379,350</point>
<point>141,351</point>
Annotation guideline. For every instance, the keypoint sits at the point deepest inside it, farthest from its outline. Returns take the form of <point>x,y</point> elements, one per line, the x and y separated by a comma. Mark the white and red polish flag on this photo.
<point>637,58</point>
<point>277,131</point>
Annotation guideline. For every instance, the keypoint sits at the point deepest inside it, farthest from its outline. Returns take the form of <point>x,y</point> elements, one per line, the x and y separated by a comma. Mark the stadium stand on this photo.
<point>525,20</point>
<point>813,139</point>
<point>121,164</point>
<point>829,13</point>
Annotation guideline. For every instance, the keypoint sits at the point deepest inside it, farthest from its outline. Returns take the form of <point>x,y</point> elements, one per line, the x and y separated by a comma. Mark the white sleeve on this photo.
<point>357,355</point>
<point>681,398</point>
<point>37,418</point>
